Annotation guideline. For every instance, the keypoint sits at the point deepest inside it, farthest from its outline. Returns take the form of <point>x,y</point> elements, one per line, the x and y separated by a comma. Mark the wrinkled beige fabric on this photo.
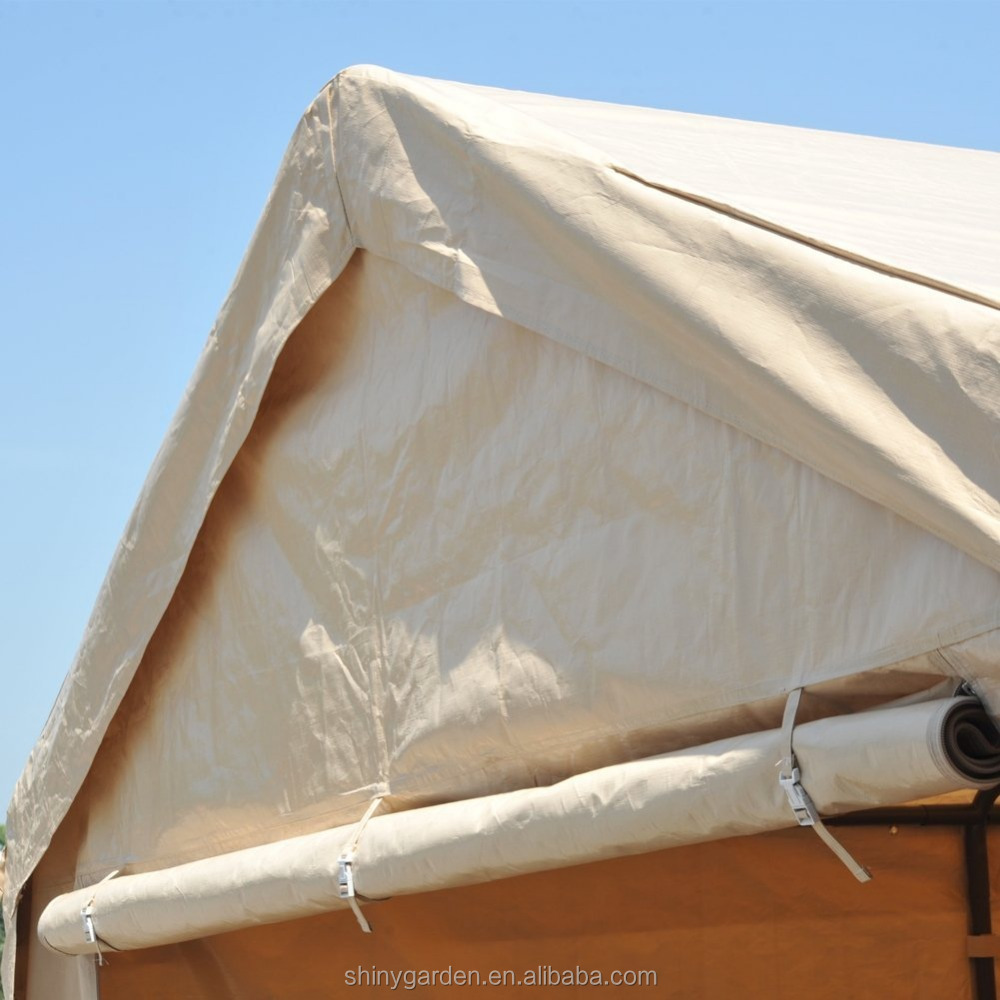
<point>928,211</point>
<point>463,611</point>
<point>552,367</point>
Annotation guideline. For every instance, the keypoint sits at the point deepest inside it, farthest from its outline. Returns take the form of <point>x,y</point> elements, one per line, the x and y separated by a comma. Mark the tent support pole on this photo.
<point>977,871</point>
<point>974,819</point>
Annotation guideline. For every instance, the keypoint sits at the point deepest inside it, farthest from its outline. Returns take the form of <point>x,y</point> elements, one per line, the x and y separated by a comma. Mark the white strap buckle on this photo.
<point>87,915</point>
<point>345,877</point>
<point>806,813</point>
<point>798,798</point>
<point>345,887</point>
<point>345,867</point>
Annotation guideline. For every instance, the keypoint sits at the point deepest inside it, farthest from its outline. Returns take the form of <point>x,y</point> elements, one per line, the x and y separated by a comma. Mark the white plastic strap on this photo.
<point>345,866</point>
<point>87,916</point>
<point>802,805</point>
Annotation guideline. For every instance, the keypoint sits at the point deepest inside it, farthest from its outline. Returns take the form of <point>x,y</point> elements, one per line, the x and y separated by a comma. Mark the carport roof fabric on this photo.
<point>831,299</point>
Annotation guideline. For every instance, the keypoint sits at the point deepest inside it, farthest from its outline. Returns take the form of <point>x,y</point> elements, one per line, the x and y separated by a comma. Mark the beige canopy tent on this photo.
<point>570,502</point>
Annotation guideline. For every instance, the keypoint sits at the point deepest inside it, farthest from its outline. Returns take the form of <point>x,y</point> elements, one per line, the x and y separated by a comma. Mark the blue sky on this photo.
<point>139,144</point>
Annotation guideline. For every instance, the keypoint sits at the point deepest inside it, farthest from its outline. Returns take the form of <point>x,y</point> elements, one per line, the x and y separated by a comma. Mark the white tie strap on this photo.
<point>790,779</point>
<point>345,867</point>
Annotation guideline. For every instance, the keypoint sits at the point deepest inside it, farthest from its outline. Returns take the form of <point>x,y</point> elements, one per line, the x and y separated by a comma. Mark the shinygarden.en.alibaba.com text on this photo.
<point>541,975</point>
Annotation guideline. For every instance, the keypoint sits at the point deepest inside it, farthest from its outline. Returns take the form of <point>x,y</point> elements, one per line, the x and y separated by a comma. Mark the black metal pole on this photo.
<point>977,876</point>
<point>945,815</point>
<point>974,819</point>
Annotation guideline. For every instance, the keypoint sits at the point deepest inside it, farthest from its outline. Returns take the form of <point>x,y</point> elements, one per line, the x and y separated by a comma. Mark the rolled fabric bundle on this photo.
<point>971,743</point>
<point>724,789</point>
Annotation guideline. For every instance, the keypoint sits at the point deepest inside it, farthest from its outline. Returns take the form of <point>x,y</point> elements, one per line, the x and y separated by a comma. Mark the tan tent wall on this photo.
<point>120,814</point>
<point>771,917</point>
<point>460,611</point>
<point>614,292</point>
<point>522,250</point>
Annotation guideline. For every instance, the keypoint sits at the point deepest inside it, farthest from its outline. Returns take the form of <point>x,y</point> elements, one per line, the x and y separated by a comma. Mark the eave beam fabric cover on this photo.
<point>724,789</point>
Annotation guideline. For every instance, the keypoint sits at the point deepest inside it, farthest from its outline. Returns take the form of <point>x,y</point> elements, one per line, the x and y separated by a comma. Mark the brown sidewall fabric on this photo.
<point>769,916</point>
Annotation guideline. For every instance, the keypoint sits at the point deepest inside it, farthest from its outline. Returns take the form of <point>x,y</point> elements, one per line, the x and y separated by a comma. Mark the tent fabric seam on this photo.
<point>884,267</point>
<point>880,266</point>
<point>330,166</point>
